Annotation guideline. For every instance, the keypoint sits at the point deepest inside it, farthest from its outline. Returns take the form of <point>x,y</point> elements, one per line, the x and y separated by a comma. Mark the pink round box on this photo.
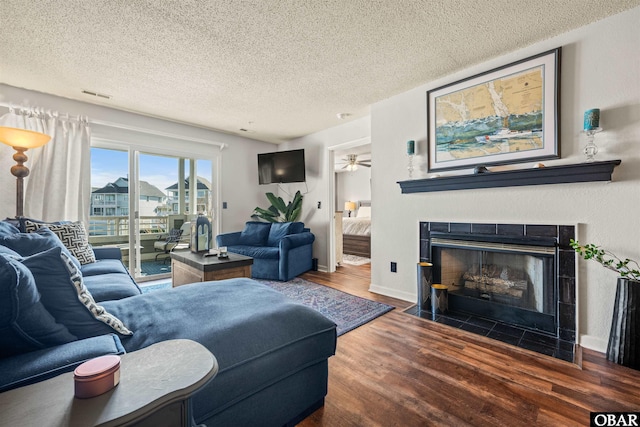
<point>96,376</point>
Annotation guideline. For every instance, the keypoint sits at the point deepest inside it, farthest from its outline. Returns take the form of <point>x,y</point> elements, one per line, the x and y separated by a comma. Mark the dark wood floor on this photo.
<point>400,370</point>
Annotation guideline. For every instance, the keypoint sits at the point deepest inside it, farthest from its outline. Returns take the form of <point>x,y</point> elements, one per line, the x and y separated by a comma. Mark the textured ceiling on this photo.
<point>278,68</point>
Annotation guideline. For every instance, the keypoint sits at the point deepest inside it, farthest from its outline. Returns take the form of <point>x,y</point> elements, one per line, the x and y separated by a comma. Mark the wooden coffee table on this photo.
<point>188,267</point>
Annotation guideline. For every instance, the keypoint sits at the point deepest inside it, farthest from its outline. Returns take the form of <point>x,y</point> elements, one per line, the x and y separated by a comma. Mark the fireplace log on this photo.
<point>496,281</point>
<point>503,289</point>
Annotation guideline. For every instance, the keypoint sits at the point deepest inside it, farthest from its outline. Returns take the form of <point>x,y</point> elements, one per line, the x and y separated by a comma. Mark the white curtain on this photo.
<point>59,183</point>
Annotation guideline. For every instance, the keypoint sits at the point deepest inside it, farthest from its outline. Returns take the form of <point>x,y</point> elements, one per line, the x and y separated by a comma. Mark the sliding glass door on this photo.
<point>142,202</point>
<point>165,206</point>
<point>109,208</point>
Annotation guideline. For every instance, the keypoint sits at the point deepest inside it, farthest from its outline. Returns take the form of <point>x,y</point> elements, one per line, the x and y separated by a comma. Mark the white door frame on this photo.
<point>331,191</point>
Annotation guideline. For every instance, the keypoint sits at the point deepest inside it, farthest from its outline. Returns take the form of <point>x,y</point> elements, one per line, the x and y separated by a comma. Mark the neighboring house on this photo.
<point>113,199</point>
<point>203,201</point>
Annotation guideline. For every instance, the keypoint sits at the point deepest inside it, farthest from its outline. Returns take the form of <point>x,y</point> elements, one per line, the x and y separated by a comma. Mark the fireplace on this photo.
<point>512,283</point>
<point>503,277</point>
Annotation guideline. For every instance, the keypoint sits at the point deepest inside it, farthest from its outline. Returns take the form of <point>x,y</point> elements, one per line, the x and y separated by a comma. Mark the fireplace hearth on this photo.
<point>511,282</point>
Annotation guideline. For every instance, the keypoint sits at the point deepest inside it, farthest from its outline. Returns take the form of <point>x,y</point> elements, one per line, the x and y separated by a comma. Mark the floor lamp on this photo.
<point>21,140</point>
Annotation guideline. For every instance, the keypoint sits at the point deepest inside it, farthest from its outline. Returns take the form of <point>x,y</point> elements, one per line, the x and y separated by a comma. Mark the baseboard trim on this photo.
<point>393,293</point>
<point>594,343</point>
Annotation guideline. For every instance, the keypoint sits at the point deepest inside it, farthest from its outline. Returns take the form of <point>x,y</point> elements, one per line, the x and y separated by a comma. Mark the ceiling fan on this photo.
<point>353,162</point>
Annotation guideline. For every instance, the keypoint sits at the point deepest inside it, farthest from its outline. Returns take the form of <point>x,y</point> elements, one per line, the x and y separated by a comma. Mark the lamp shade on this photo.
<point>22,138</point>
<point>349,206</point>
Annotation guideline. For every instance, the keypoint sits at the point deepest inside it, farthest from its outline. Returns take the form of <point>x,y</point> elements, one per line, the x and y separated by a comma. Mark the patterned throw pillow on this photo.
<point>27,244</point>
<point>72,235</point>
<point>65,296</point>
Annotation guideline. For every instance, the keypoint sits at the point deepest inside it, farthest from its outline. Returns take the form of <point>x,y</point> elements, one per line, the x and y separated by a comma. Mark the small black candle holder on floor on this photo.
<point>425,280</point>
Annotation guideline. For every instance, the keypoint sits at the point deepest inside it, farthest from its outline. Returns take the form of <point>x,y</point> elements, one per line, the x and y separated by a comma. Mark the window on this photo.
<point>159,201</point>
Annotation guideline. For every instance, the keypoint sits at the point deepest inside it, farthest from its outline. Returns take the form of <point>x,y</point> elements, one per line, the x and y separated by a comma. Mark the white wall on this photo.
<point>317,186</point>
<point>239,186</point>
<point>352,186</point>
<point>600,69</point>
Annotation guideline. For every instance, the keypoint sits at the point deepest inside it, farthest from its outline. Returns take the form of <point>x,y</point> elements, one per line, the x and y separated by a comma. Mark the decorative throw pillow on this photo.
<point>6,228</point>
<point>25,325</point>
<point>72,235</point>
<point>22,222</point>
<point>66,297</point>
<point>7,251</point>
<point>278,231</point>
<point>296,227</point>
<point>27,244</point>
<point>255,233</point>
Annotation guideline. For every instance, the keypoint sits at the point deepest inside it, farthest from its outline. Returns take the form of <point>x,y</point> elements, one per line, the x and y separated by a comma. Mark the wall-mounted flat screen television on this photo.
<point>281,167</point>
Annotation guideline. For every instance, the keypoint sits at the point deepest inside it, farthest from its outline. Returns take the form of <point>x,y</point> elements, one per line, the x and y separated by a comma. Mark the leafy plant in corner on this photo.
<point>279,211</point>
<point>626,268</point>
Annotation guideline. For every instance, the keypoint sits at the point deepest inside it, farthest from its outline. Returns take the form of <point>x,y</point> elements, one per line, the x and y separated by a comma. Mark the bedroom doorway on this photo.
<point>350,207</point>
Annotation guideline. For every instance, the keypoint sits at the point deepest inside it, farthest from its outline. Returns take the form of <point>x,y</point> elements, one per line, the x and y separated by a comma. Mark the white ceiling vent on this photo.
<point>99,95</point>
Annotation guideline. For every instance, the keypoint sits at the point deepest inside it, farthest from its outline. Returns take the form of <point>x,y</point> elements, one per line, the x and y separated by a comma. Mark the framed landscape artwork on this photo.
<point>506,115</point>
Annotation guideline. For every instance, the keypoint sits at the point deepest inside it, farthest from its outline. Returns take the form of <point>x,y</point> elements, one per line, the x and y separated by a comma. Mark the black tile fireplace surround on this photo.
<point>557,337</point>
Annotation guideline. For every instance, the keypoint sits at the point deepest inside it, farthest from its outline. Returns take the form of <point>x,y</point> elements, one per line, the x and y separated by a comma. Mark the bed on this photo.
<point>356,232</point>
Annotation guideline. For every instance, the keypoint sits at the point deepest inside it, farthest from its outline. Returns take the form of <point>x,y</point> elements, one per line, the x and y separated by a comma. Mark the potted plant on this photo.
<point>624,338</point>
<point>279,211</point>
<point>627,268</point>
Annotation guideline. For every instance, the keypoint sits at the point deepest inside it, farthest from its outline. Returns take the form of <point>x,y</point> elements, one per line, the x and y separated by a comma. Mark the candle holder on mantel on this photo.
<point>591,127</point>
<point>591,149</point>
<point>411,152</point>
<point>410,166</point>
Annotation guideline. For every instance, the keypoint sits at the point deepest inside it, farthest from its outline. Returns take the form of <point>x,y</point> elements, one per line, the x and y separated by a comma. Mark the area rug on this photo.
<point>345,310</point>
<point>166,284</point>
<point>155,267</point>
<point>355,260</point>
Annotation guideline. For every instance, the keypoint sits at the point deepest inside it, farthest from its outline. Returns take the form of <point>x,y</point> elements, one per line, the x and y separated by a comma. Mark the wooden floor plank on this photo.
<point>400,370</point>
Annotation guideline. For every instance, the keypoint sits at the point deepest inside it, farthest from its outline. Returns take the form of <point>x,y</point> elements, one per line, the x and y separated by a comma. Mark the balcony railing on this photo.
<point>119,225</point>
<point>109,203</point>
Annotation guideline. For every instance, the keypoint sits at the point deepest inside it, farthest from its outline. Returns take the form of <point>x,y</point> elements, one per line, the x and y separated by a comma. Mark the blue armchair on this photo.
<point>280,250</point>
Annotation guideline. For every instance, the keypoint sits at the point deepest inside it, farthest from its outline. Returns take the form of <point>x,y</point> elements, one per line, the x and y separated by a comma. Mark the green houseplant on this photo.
<point>627,268</point>
<point>624,338</point>
<point>279,211</point>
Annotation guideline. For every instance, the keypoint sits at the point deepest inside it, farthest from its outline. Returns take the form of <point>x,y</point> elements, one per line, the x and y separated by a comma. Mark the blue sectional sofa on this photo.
<point>272,352</point>
<point>280,250</point>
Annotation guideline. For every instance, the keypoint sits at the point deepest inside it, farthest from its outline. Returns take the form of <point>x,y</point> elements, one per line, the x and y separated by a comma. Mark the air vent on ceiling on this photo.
<point>100,95</point>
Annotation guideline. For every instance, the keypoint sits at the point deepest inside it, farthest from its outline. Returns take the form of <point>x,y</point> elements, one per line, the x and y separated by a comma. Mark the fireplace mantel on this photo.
<point>581,172</point>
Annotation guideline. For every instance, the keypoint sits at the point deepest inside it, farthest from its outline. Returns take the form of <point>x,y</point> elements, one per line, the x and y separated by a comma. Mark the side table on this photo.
<point>155,388</point>
<point>188,267</point>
